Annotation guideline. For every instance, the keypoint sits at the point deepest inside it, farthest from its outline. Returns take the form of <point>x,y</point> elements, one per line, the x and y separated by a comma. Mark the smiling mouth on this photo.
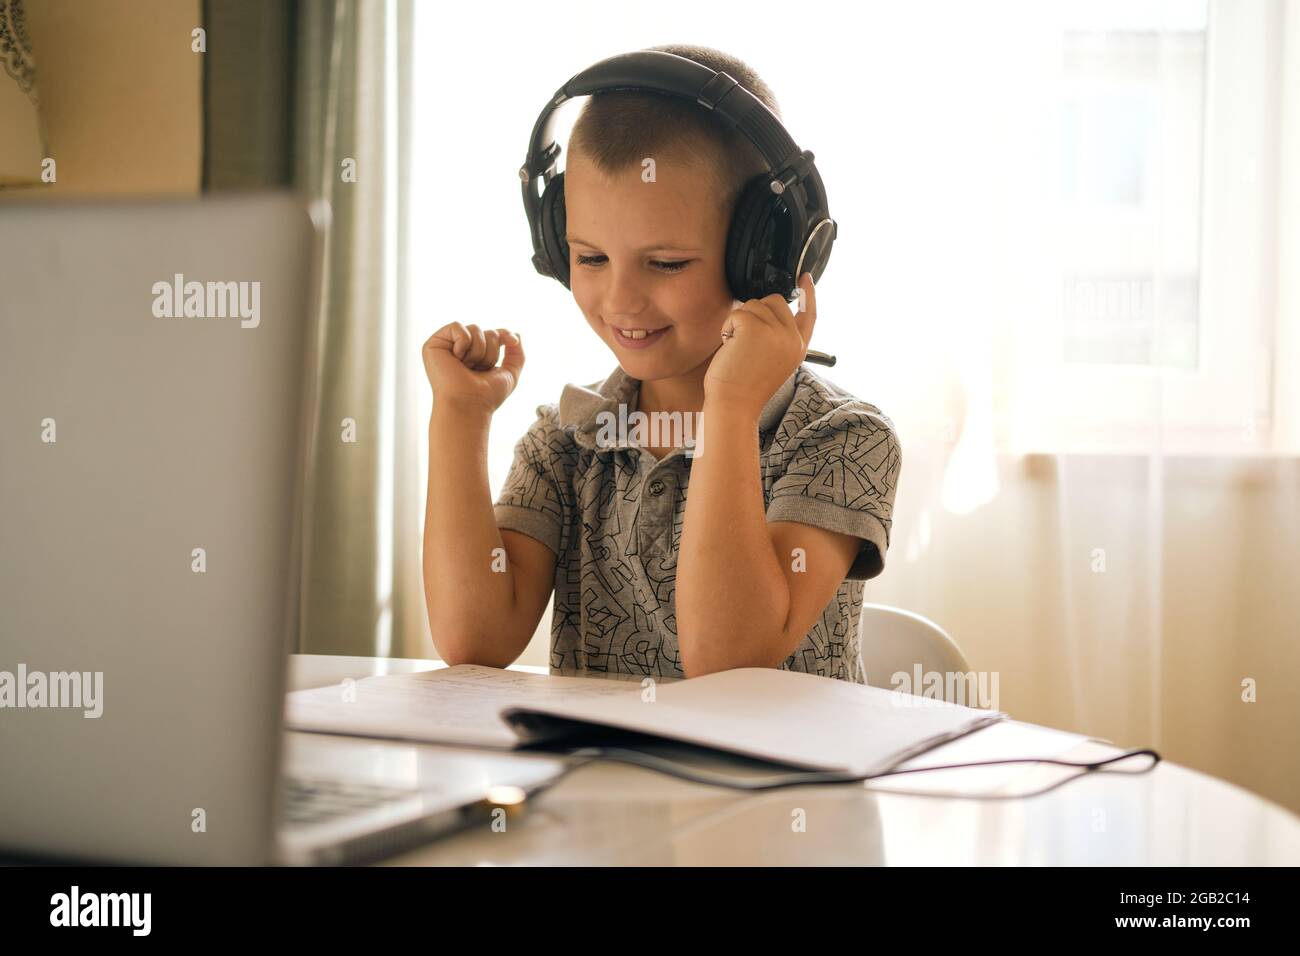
<point>636,333</point>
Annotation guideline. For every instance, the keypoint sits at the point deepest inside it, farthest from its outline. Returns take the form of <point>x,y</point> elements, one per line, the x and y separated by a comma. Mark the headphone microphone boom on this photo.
<point>781,226</point>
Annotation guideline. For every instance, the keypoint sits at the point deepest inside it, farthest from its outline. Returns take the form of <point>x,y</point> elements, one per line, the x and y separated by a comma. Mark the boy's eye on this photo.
<point>676,265</point>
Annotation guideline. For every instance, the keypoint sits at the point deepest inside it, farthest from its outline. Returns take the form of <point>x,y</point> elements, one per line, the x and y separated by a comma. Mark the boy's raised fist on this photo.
<point>461,362</point>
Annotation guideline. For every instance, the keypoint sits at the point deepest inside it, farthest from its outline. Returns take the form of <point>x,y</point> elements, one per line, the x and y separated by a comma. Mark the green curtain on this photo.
<point>315,95</point>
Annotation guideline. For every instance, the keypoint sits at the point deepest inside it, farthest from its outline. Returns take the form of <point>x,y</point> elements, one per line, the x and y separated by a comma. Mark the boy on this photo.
<point>791,485</point>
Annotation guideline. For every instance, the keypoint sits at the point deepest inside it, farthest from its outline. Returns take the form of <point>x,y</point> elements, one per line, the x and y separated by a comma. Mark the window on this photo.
<point>1132,111</point>
<point>1165,334</point>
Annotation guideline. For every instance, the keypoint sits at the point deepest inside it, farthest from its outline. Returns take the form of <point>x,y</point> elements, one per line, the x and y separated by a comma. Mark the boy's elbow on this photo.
<point>454,645</point>
<point>697,662</point>
<point>467,648</point>
<point>454,654</point>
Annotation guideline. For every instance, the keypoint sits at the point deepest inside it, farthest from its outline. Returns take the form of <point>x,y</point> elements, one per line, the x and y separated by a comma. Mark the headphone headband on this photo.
<point>794,200</point>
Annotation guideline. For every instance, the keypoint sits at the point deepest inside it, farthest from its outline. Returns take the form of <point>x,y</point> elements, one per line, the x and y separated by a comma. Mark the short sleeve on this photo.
<point>841,473</point>
<point>532,499</point>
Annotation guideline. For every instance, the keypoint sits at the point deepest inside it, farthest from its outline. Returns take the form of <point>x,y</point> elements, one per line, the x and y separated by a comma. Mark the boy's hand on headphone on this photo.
<point>461,362</point>
<point>767,342</point>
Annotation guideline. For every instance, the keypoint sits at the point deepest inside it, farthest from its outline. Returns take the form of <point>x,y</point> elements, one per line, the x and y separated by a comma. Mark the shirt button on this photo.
<point>656,487</point>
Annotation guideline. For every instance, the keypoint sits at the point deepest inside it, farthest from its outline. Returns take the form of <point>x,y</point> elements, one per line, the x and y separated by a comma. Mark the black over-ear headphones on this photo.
<point>781,227</point>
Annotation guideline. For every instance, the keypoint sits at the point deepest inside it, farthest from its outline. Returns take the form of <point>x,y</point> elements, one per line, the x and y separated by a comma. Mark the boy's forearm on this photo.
<point>471,606</point>
<point>732,597</point>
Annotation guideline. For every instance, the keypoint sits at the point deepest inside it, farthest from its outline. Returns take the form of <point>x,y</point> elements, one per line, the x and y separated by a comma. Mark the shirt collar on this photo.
<point>580,405</point>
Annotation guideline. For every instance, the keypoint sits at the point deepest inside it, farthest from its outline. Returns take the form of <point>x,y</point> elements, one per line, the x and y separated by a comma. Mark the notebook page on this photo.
<point>785,716</point>
<point>451,705</point>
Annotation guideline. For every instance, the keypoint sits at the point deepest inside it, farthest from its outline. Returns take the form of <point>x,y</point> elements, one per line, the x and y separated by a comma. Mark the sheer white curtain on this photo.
<point>1057,271</point>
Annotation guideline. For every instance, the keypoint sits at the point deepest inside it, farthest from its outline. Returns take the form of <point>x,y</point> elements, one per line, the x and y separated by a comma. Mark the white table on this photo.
<point>609,813</point>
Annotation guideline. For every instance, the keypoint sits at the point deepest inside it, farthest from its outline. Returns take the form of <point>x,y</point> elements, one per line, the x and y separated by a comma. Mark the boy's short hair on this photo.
<point>617,130</point>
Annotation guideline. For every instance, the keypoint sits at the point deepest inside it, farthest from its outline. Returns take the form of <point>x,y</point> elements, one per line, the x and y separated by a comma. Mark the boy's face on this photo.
<point>626,240</point>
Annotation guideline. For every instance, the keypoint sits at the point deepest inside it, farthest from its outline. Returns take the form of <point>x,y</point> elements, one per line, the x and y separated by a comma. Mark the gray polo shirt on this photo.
<point>612,513</point>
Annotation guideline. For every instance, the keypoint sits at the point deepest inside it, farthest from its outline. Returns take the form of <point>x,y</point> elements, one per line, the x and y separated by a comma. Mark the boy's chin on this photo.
<point>659,367</point>
<point>645,370</point>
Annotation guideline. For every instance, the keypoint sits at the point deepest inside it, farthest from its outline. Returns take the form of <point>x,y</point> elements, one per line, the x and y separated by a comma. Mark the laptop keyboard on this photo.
<point>315,801</point>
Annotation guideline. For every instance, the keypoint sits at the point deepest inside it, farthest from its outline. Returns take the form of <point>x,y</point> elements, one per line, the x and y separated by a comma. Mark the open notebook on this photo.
<point>781,716</point>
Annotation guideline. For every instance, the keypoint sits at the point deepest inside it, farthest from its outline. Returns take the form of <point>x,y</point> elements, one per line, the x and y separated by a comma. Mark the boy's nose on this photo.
<point>624,297</point>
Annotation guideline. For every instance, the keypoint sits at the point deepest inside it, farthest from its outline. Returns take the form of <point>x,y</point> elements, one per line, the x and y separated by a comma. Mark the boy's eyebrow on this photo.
<point>651,248</point>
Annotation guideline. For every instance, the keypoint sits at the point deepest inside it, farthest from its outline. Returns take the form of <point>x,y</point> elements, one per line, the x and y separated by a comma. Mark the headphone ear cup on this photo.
<point>554,227</point>
<point>758,242</point>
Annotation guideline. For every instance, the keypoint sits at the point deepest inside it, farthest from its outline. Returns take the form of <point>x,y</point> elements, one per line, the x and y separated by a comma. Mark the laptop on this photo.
<point>157,365</point>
